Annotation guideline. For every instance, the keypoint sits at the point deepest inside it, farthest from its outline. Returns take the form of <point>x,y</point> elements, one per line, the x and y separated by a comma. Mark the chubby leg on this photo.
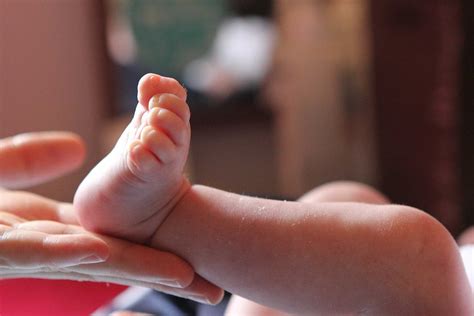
<point>130,192</point>
<point>466,247</point>
<point>467,237</point>
<point>340,191</point>
<point>344,191</point>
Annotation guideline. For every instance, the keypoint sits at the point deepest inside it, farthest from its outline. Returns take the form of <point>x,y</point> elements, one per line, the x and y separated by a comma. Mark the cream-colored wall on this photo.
<point>52,74</point>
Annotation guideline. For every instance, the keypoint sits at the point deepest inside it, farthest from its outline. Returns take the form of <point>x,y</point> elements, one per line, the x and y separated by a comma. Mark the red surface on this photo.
<point>45,297</point>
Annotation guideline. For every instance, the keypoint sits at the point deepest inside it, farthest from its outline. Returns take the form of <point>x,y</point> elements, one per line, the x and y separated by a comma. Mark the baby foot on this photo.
<point>132,190</point>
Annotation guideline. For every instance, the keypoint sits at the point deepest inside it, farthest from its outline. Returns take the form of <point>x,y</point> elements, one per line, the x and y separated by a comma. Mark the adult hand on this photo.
<point>40,238</point>
<point>33,158</point>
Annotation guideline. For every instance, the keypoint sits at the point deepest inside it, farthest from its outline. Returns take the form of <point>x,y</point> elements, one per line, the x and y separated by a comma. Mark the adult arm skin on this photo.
<point>40,238</point>
<point>330,258</point>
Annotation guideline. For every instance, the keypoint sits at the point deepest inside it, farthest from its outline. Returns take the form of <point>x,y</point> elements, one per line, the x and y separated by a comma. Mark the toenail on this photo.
<point>158,111</point>
<point>133,146</point>
<point>154,112</point>
<point>161,111</point>
<point>148,133</point>
<point>154,102</point>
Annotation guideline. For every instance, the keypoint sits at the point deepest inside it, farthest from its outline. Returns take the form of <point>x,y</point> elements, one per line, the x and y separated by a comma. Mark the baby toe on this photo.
<point>152,84</point>
<point>159,144</point>
<point>141,162</point>
<point>170,124</point>
<point>172,103</point>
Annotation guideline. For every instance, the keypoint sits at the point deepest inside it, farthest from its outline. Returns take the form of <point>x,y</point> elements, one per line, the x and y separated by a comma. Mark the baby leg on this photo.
<point>467,237</point>
<point>466,247</point>
<point>344,191</point>
<point>341,191</point>
<point>131,191</point>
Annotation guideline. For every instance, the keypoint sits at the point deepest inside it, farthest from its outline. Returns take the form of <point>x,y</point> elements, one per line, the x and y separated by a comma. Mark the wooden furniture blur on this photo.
<point>467,116</point>
<point>417,58</point>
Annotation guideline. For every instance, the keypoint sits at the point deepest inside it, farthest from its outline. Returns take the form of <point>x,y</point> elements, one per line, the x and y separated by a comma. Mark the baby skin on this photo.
<point>319,255</point>
<point>132,190</point>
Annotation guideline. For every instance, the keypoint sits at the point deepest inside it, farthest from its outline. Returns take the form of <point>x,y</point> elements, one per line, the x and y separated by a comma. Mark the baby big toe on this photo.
<point>159,144</point>
<point>152,84</point>
<point>171,102</point>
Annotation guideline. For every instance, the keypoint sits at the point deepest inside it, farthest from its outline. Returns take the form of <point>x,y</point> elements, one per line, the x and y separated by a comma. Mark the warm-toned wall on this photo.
<point>52,73</point>
<point>319,90</point>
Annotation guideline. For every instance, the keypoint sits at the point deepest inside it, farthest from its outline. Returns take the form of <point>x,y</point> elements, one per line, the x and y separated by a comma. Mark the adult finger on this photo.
<point>10,219</point>
<point>200,290</point>
<point>203,291</point>
<point>51,227</point>
<point>30,206</point>
<point>126,260</point>
<point>133,261</point>
<point>35,249</point>
<point>32,158</point>
<point>136,264</point>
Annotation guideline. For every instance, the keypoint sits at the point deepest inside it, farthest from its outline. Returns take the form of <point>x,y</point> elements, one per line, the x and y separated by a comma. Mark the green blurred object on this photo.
<point>171,33</point>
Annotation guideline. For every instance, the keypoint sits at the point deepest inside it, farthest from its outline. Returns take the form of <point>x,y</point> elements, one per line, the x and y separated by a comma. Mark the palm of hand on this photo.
<point>41,238</point>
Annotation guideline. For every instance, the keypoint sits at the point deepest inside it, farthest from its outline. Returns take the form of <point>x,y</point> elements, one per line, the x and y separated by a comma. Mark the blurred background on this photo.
<point>285,94</point>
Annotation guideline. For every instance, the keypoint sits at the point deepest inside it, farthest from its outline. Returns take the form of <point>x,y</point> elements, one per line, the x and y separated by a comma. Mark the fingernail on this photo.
<point>200,299</point>
<point>91,259</point>
<point>171,283</point>
<point>20,139</point>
